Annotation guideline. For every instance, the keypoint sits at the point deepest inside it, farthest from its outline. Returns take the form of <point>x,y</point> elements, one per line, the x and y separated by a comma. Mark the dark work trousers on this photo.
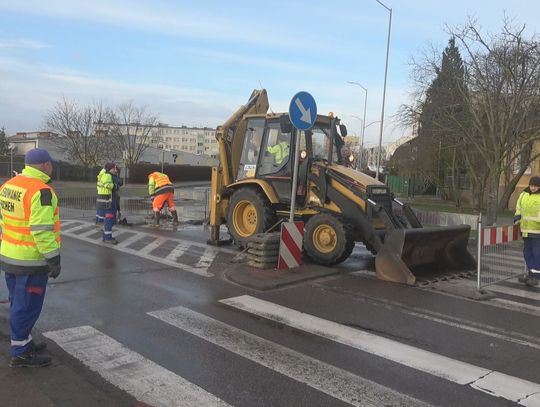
<point>110,220</point>
<point>26,295</point>
<point>531,253</point>
<point>100,216</point>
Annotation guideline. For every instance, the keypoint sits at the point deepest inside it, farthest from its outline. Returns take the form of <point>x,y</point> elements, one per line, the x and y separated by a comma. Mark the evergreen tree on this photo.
<point>4,144</point>
<point>442,111</point>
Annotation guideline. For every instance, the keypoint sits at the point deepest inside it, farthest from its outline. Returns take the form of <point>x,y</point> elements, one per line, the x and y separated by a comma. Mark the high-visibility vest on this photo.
<point>159,183</point>
<point>31,223</point>
<point>280,151</point>
<point>528,206</point>
<point>105,183</point>
<point>105,186</point>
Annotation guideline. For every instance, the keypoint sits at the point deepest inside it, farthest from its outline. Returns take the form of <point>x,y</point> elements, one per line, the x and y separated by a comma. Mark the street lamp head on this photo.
<point>357,84</point>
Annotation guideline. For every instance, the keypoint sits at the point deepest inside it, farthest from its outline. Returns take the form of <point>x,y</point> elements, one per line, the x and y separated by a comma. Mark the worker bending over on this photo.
<point>161,190</point>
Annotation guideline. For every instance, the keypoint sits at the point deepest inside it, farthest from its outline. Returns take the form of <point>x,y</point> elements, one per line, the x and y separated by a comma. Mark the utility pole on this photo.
<point>384,88</point>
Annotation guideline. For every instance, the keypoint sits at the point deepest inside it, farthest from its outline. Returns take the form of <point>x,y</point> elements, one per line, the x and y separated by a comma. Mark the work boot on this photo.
<point>157,215</point>
<point>175,218</point>
<point>29,359</point>
<point>531,282</point>
<point>523,279</point>
<point>112,241</point>
<point>38,347</point>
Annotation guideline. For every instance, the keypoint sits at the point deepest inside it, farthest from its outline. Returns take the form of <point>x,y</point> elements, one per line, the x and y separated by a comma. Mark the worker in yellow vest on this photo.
<point>106,200</point>
<point>280,150</point>
<point>527,210</point>
<point>30,251</point>
<point>161,189</point>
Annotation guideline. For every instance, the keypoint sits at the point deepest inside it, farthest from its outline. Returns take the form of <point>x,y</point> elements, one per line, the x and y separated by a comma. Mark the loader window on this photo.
<point>250,152</point>
<point>320,144</point>
<point>276,150</point>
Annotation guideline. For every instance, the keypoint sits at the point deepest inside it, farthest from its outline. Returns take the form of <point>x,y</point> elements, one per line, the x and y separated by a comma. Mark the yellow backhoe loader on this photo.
<point>251,191</point>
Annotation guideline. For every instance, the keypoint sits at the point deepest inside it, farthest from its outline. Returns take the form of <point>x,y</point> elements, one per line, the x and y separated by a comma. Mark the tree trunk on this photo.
<point>493,194</point>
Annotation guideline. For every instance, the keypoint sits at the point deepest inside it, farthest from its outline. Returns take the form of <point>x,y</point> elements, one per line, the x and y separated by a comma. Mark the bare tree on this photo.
<point>75,132</point>
<point>500,100</point>
<point>131,129</point>
<point>504,80</point>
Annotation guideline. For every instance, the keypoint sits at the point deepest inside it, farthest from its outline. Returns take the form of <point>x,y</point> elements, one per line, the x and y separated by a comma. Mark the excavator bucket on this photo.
<point>406,253</point>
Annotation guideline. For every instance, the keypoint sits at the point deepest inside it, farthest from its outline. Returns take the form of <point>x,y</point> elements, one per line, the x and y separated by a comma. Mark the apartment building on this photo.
<point>193,140</point>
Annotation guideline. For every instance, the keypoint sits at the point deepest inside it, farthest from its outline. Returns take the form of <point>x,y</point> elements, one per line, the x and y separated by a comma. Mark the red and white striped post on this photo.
<point>290,246</point>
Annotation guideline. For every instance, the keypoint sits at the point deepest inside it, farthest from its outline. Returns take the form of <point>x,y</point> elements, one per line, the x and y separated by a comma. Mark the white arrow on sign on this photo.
<point>306,114</point>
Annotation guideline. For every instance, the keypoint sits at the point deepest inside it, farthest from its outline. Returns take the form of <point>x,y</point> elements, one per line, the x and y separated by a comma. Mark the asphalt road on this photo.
<point>158,322</point>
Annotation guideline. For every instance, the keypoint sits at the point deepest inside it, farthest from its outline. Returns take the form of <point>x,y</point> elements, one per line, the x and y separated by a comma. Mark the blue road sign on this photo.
<point>303,110</point>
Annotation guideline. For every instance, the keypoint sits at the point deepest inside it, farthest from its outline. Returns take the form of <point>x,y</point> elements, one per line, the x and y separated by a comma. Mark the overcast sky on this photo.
<point>193,63</point>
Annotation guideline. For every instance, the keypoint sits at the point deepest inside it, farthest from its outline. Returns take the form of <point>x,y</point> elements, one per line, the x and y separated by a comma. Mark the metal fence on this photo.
<point>191,203</point>
<point>500,254</point>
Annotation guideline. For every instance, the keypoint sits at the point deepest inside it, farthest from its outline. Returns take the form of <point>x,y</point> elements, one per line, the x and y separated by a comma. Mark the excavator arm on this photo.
<point>228,134</point>
<point>230,137</point>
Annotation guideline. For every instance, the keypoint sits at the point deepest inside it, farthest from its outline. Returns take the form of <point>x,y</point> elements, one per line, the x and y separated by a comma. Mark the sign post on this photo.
<point>303,112</point>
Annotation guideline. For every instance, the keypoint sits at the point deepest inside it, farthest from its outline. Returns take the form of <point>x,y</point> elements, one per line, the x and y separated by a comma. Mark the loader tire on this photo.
<point>249,213</point>
<point>327,239</point>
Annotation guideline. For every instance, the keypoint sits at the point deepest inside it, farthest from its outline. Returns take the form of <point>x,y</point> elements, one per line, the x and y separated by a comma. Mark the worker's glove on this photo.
<point>517,218</point>
<point>54,266</point>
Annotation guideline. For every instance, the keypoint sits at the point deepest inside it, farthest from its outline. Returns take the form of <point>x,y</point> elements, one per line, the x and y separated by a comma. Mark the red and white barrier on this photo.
<point>499,234</point>
<point>290,247</point>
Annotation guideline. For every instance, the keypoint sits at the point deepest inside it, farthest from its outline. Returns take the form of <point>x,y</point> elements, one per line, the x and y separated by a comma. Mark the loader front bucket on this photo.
<point>408,252</point>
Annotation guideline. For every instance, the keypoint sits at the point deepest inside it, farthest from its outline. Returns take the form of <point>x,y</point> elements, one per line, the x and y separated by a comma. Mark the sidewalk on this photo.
<point>65,383</point>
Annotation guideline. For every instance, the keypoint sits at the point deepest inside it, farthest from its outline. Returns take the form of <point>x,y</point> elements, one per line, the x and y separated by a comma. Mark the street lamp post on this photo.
<point>162,159</point>
<point>11,147</point>
<point>364,127</point>
<point>384,87</point>
<point>363,121</point>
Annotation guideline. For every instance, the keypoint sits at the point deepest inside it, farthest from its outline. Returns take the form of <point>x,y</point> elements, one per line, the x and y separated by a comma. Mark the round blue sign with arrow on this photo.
<point>303,111</point>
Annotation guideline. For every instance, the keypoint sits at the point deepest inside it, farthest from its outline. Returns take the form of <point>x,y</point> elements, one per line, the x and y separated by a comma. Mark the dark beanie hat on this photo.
<point>535,181</point>
<point>109,166</point>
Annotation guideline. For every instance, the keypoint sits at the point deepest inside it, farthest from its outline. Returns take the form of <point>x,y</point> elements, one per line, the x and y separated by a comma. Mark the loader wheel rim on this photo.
<point>245,218</point>
<point>325,239</point>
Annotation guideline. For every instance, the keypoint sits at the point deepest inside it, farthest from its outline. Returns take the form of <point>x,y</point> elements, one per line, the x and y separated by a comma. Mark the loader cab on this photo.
<point>268,152</point>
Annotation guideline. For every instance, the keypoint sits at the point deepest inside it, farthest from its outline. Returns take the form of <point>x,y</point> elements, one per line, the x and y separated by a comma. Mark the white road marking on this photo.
<point>130,371</point>
<point>177,252</point>
<point>75,229</point>
<point>326,378</point>
<point>515,306</point>
<point>514,291</point>
<point>130,240</point>
<point>207,258</point>
<point>153,245</point>
<point>157,259</point>
<point>429,362</point>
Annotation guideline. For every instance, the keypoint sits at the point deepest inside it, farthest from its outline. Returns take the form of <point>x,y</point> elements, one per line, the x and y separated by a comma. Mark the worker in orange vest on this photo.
<point>30,252</point>
<point>161,190</point>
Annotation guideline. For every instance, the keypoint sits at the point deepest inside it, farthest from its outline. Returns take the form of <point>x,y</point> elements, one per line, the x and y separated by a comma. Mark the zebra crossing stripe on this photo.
<point>143,379</point>
<point>515,292</point>
<point>326,378</point>
<point>488,381</point>
<point>145,252</point>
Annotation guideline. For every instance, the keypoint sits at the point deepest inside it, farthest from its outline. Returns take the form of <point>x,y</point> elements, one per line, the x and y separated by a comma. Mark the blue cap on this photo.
<point>37,156</point>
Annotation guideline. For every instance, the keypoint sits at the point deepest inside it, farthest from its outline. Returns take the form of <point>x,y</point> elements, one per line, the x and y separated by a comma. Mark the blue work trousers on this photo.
<point>26,295</point>
<point>100,215</point>
<point>531,253</point>
<point>110,220</point>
